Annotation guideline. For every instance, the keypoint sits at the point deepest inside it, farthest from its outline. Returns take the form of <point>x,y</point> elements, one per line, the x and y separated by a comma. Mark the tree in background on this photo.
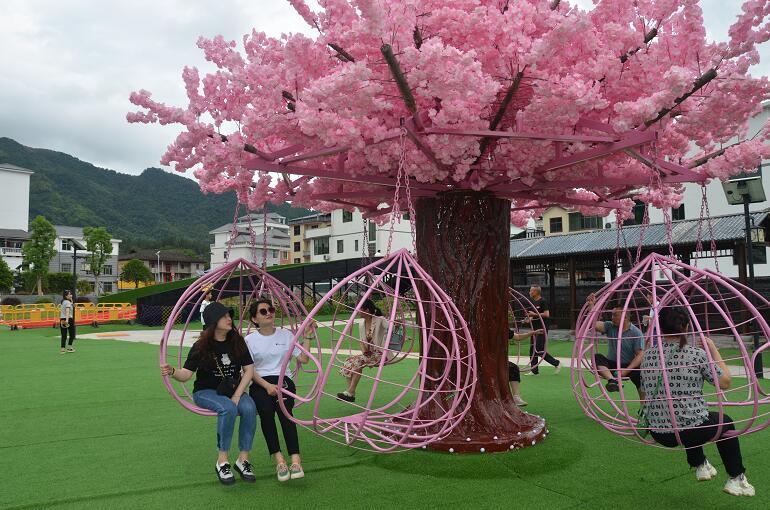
<point>83,287</point>
<point>99,246</point>
<point>6,276</point>
<point>492,111</point>
<point>39,249</point>
<point>135,271</point>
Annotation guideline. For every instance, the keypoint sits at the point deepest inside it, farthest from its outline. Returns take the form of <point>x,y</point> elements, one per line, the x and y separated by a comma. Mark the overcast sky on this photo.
<point>68,66</point>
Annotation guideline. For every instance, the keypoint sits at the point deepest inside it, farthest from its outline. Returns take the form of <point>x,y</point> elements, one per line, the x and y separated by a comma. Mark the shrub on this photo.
<point>59,282</point>
<point>43,299</point>
<point>12,301</point>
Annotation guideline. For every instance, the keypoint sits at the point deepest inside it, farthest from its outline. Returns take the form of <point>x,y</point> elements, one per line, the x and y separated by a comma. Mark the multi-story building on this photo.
<point>165,265</point>
<point>67,239</point>
<point>243,244</point>
<point>301,248</point>
<point>340,235</point>
<point>557,220</point>
<point>14,212</point>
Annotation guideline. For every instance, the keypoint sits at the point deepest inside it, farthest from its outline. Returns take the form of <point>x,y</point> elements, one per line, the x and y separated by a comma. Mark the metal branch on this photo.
<point>417,37</point>
<point>398,75</point>
<point>341,53</point>
<point>555,4</point>
<point>702,81</point>
<point>484,144</point>
<point>649,36</point>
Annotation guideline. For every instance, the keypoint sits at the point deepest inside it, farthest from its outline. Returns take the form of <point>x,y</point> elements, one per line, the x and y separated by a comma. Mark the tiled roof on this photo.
<point>685,232</point>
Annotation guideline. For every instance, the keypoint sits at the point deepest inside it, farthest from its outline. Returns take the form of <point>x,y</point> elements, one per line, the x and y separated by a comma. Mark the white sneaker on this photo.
<point>739,486</point>
<point>224,473</point>
<point>705,472</point>
<point>557,369</point>
<point>519,401</point>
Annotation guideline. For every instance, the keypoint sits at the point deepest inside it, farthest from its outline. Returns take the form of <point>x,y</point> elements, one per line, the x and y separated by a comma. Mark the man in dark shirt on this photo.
<point>537,343</point>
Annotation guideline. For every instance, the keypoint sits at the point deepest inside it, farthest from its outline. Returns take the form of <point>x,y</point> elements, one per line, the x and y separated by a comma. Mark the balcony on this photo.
<point>10,252</point>
<point>318,232</point>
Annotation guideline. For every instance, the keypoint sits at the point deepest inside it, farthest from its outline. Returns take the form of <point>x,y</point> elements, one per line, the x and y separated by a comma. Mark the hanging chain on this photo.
<point>233,232</point>
<point>264,236</point>
<point>396,209</point>
<point>710,225</point>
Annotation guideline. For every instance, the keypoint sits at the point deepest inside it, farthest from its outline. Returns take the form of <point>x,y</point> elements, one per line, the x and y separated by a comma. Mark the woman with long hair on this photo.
<point>223,370</point>
<point>268,347</point>
<point>687,367</point>
<point>371,336</point>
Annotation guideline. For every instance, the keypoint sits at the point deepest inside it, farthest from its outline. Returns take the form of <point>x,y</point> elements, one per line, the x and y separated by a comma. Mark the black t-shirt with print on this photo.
<point>541,305</point>
<point>207,375</point>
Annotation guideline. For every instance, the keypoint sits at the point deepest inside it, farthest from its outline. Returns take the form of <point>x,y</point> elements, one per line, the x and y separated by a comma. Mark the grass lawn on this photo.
<point>96,429</point>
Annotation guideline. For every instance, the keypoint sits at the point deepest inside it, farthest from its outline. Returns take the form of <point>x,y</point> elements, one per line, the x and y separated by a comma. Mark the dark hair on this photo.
<point>206,345</point>
<point>255,307</point>
<point>368,306</point>
<point>65,292</point>
<point>674,321</point>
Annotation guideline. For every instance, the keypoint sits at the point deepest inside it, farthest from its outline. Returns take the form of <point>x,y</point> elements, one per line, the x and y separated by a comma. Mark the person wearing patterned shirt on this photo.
<point>682,369</point>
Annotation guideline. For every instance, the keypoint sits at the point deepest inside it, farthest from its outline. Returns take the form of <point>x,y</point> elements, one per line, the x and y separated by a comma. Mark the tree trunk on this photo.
<point>39,285</point>
<point>463,242</point>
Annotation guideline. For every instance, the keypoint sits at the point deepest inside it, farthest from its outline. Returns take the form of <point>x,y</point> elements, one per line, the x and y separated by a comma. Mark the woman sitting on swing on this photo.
<point>686,369</point>
<point>371,336</point>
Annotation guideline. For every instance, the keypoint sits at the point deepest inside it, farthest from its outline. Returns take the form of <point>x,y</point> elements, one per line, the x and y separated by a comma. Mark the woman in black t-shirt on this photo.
<point>224,369</point>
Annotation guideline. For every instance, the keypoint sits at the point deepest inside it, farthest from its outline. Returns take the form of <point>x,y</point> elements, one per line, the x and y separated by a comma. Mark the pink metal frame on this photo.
<point>519,321</point>
<point>712,301</point>
<point>397,419</point>
<point>297,160</point>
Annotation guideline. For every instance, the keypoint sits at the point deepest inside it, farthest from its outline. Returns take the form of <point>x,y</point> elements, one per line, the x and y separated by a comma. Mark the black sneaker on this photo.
<point>612,386</point>
<point>224,474</point>
<point>244,469</point>
<point>347,398</point>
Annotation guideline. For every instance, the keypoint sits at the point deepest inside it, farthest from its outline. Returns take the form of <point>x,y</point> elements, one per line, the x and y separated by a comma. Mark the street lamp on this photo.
<point>747,189</point>
<point>158,267</point>
<point>76,245</point>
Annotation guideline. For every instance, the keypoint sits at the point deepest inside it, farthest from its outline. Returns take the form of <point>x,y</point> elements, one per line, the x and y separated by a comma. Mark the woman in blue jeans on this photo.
<point>223,368</point>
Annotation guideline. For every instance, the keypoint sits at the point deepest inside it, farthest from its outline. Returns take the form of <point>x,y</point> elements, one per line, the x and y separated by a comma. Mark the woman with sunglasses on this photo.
<point>268,346</point>
<point>223,369</point>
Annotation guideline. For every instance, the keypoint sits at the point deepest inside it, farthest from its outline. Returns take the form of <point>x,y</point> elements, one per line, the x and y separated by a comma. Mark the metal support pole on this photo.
<point>758,368</point>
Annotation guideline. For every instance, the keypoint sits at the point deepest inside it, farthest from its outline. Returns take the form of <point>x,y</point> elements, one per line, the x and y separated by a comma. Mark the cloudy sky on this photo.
<point>67,66</point>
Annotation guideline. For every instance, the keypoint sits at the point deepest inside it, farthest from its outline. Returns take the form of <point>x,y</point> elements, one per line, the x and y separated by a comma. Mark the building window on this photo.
<point>66,267</point>
<point>107,287</point>
<point>355,246</point>
<point>759,255</point>
<point>340,246</point>
<point>297,246</point>
<point>555,224</point>
<point>372,232</point>
<point>406,217</point>
<point>579,222</point>
<point>107,269</point>
<point>284,255</point>
<point>678,213</point>
<point>638,214</point>
<point>296,261</point>
<point>321,246</point>
<point>66,245</point>
<point>297,230</point>
<point>274,254</point>
<point>313,226</point>
<point>347,216</point>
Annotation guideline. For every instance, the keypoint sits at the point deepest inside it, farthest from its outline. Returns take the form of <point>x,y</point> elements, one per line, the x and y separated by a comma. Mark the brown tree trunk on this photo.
<point>463,242</point>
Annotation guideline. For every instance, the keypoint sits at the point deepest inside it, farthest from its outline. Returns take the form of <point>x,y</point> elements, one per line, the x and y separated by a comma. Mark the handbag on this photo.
<point>228,385</point>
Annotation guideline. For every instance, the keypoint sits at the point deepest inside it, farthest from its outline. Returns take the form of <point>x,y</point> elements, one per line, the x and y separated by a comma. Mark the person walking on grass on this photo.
<point>268,347</point>
<point>537,342</point>
<point>67,322</point>
<point>223,370</point>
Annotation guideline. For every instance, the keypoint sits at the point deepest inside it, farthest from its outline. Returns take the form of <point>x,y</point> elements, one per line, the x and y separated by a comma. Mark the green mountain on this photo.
<point>156,209</point>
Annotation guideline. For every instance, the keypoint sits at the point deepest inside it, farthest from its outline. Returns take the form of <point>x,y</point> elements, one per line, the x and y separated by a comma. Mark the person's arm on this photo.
<point>271,389</point>
<point>303,357</point>
<point>518,337</point>
<point>247,374</point>
<point>178,374</point>
<point>590,302</point>
<point>725,380</point>
<point>634,363</point>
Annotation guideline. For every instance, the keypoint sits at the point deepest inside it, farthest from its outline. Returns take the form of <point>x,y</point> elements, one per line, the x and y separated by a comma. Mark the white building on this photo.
<point>344,237</point>
<point>14,212</point>
<point>64,259</point>
<point>242,246</point>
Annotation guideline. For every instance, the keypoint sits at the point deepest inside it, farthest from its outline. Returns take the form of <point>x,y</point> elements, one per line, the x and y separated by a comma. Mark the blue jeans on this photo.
<point>226,413</point>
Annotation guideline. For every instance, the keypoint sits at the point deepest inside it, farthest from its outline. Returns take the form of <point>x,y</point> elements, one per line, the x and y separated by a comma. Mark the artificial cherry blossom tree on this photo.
<point>496,109</point>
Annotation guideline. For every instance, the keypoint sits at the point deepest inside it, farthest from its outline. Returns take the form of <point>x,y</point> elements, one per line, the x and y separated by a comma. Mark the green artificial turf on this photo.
<point>96,429</point>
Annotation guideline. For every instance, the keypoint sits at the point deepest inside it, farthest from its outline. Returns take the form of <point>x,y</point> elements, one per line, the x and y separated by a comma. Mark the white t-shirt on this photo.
<point>203,307</point>
<point>66,309</point>
<point>268,351</point>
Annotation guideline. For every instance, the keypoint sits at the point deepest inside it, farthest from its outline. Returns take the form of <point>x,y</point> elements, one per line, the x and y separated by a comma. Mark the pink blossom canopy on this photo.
<point>536,101</point>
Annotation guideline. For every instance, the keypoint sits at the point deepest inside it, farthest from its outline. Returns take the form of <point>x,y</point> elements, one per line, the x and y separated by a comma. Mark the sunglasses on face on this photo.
<point>265,311</point>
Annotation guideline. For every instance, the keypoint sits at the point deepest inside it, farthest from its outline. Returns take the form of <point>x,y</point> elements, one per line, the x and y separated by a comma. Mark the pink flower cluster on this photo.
<point>623,64</point>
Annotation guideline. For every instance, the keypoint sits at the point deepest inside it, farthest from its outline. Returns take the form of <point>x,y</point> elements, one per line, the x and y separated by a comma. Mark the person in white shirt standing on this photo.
<point>67,322</point>
<point>268,346</point>
<point>206,302</point>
